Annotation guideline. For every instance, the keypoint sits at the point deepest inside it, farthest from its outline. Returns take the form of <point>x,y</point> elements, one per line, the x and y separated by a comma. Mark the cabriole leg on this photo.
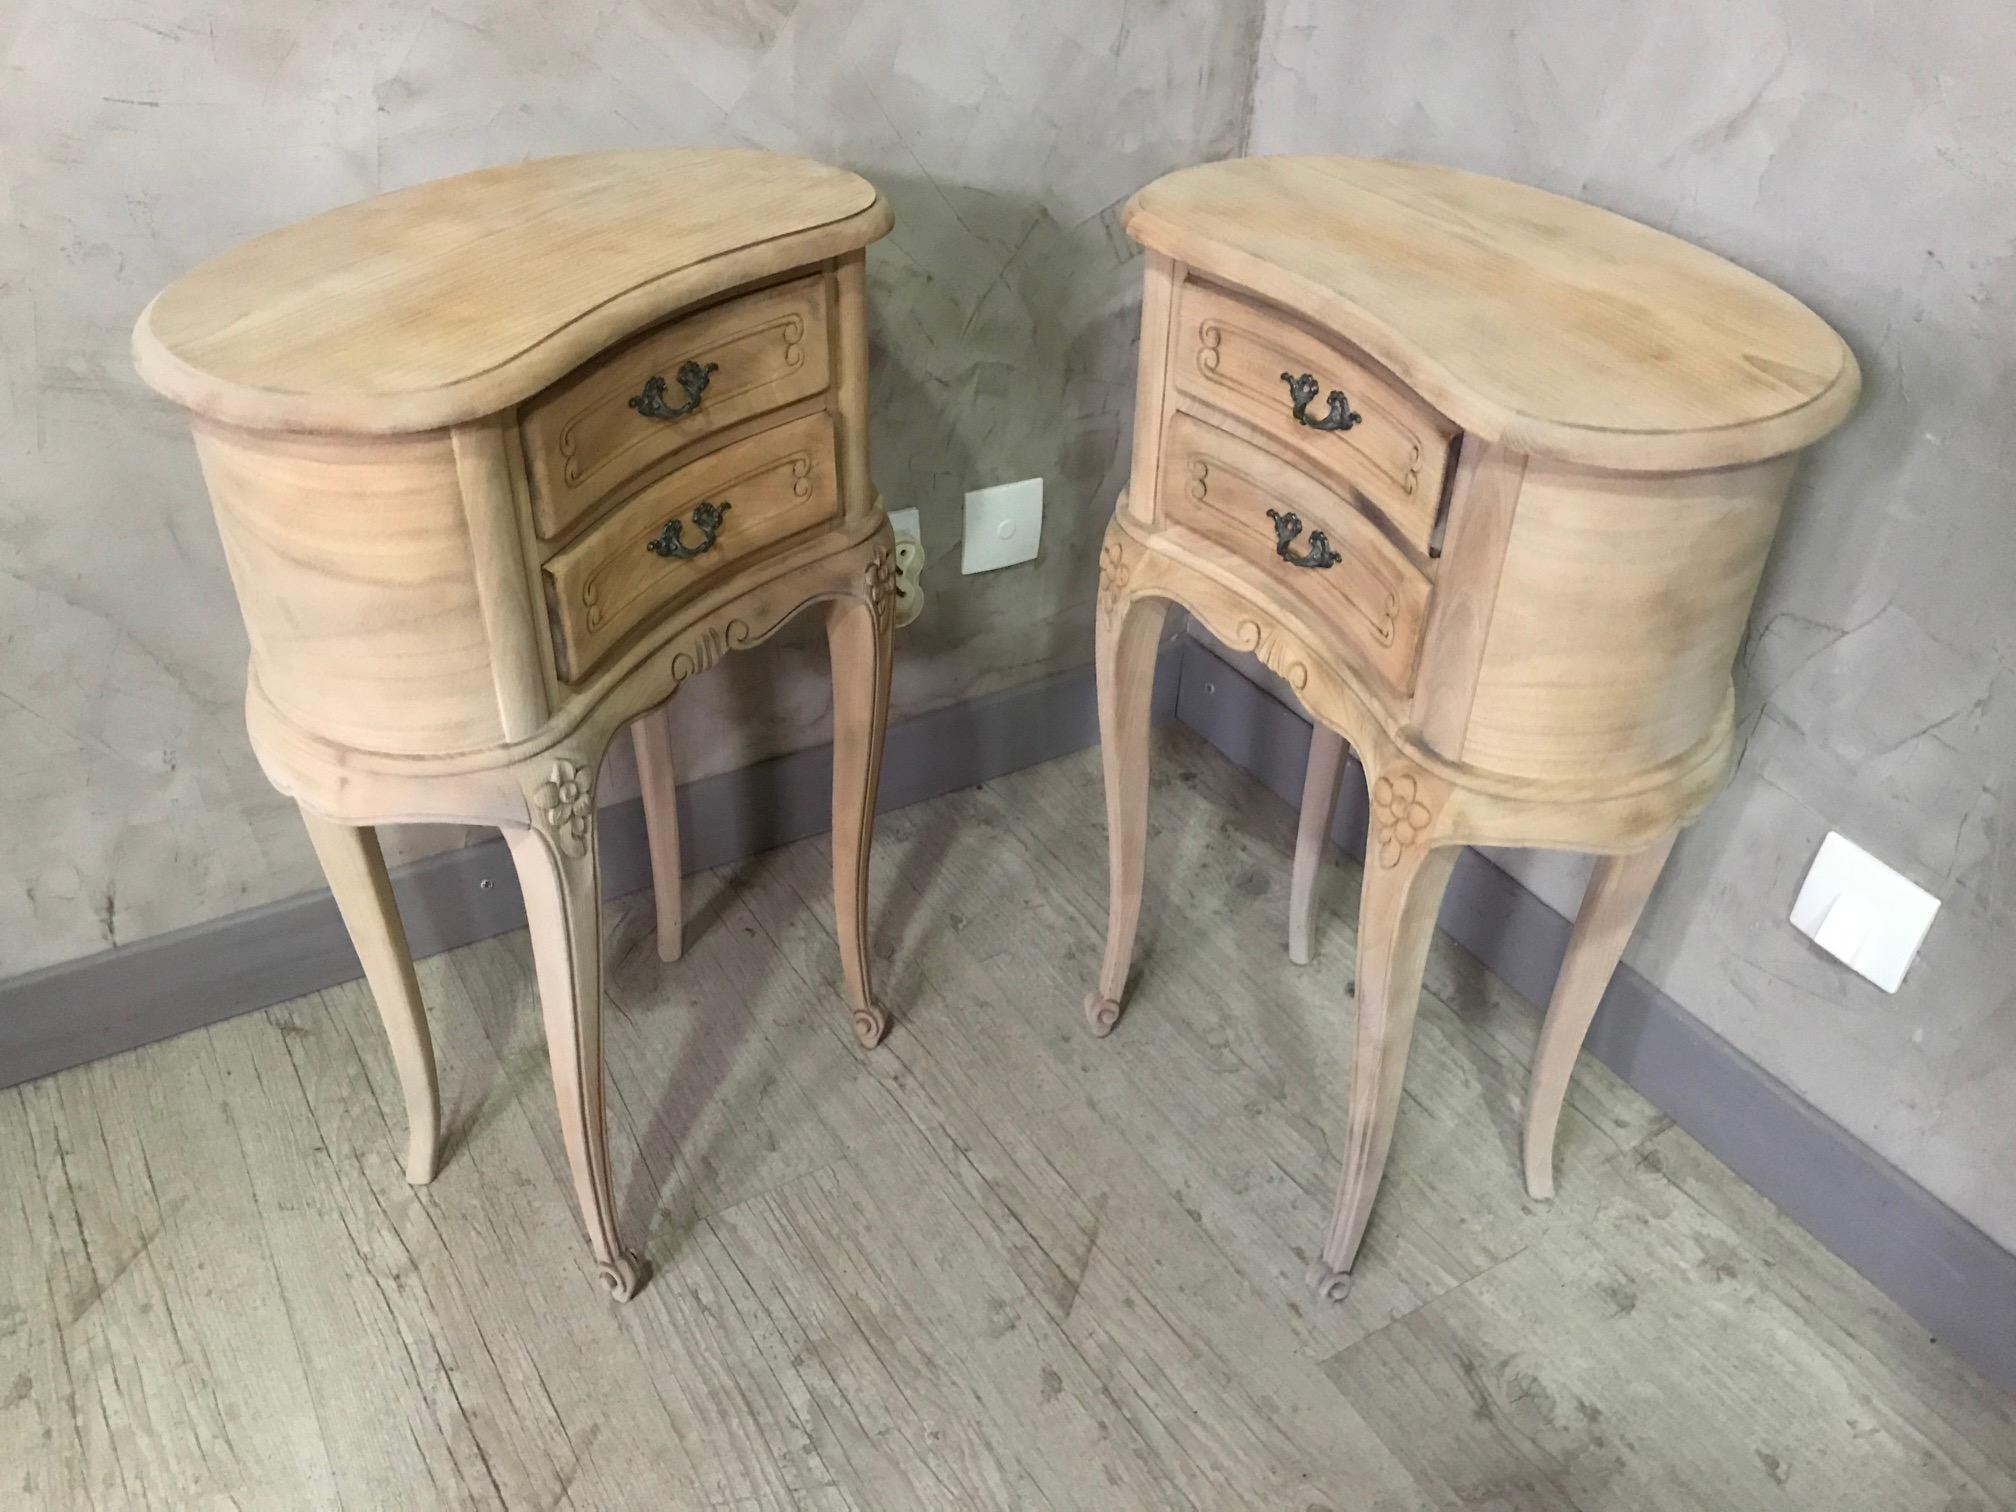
<point>1611,904</point>
<point>1128,633</point>
<point>1319,806</point>
<point>557,872</point>
<point>355,868</point>
<point>651,738</point>
<point>858,636</point>
<point>1405,878</point>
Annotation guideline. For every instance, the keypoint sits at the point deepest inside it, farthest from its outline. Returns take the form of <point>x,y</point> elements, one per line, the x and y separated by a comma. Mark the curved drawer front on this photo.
<point>729,506</point>
<point>1239,355</point>
<point>1220,488</point>
<point>585,440</point>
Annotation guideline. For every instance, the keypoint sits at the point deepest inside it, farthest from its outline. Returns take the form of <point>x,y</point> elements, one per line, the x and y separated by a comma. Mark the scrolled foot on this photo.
<point>625,1275</point>
<point>870,1024</point>
<point>1329,1285</point>
<point>1102,1013</point>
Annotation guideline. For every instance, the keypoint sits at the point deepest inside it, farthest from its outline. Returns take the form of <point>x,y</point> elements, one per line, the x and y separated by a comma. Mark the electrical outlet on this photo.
<point>1864,914</point>
<point>908,526</point>
<point>1004,526</point>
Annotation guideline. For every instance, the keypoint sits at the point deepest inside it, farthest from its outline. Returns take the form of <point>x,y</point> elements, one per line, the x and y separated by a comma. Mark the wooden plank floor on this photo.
<point>995,1263</point>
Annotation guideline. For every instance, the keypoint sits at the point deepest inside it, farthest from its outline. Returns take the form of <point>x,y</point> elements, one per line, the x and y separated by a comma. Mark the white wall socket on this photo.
<point>1861,912</point>
<point>1004,525</point>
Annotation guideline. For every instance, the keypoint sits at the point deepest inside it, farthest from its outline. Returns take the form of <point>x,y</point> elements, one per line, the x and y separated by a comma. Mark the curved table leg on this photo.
<point>858,635</point>
<point>651,738</point>
<point>558,875</point>
<point>1319,806</point>
<point>1396,921</point>
<point>355,868</point>
<point>1127,637</point>
<point>1611,904</point>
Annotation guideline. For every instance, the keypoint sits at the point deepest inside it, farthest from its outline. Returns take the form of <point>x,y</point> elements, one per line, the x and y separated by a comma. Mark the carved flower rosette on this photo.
<point>1399,817</point>
<point>566,802</point>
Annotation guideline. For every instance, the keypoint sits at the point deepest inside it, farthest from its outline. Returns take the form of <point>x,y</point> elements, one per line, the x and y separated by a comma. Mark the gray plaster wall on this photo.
<point>1863,157</point>
<point>138,137</point>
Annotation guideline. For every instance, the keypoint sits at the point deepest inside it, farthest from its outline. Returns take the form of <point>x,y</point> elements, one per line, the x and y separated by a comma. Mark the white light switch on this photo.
<point>1862,913</point>
<point>1004,525</point>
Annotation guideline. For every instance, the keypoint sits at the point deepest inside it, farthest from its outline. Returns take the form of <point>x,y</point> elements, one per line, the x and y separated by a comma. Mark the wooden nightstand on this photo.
<point>1488,477</point>
<point>498,463</point>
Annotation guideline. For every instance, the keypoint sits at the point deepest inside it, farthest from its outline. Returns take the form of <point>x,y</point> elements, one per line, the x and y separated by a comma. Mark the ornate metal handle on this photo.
<point>706,519</point>
<point>1286,528</point>
<point>1302,390</point>
<point>691,377</point>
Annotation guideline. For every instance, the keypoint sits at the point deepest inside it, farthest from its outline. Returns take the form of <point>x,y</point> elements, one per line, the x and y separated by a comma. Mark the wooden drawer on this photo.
<point>585,440</point>
<point>772,486</point>
<point>1239,356</point>
<point>1220,488</point>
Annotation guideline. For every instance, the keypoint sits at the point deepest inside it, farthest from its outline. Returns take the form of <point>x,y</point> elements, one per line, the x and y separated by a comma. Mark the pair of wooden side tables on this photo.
<point>1488,476</point>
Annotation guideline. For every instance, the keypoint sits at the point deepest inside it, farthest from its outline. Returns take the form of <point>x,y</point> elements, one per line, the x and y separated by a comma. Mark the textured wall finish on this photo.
<point>138,138</point>
<point>1866,161</point>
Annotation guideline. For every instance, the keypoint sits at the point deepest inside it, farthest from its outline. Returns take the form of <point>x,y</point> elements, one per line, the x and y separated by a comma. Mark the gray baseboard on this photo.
<point>120,999</point>
<point>1941,1269</point>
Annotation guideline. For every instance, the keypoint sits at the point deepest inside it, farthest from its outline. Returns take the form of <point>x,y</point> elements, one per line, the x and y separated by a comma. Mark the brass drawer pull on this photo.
<point>1286,528</point>
<point>1302,390</point>
<point>706,519</point>
<point>691,377</point>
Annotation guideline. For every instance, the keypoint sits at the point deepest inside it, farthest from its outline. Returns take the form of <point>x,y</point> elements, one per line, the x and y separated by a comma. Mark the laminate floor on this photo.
<point>995,1263</point>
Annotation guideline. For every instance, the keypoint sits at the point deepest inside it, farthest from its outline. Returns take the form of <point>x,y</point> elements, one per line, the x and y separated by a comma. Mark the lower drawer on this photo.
<point>668,541</point>
<point>1302,545</point>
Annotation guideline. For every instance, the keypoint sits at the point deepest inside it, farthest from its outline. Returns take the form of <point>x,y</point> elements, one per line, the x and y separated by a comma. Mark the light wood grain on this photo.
<point>849,398</point>
<point>776,484</point>
<point>1621,602</point>
<point>1404,882</point>
<point>1129,629</point>
<point>354,865</point>
<point>355,573</point>
<point>910,1279</point>
<point>1160,279</point>
<point>422,652</point>
<point>1611,903</point>
<point>1547,325</point>
<point>585,443</point>
<point>860,634</point>
<point>1327,750</point>
<point>658,784</point>
<point>1220,496</point>
<point>1236,355</point>
<point>452,300</point>
<point>519,667</point>
<point>563,913</point>
<point>1483,499</point>
<point>1538,654</point>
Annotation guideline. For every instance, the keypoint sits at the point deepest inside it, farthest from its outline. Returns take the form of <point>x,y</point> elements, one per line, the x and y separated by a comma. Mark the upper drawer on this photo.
<point>758,492</point>
<point>1246,504</point>
<point>1257,362</point>
<point>595,430</point>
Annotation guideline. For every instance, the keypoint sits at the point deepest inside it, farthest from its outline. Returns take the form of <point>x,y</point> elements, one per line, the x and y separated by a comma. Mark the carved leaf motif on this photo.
<point>708,647</point>
<point>1114,571</point>
<point>1276,652</point>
